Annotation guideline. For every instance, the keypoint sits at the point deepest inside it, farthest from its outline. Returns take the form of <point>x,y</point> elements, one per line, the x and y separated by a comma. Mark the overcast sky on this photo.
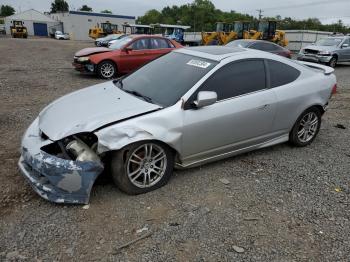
<point>328,11</point>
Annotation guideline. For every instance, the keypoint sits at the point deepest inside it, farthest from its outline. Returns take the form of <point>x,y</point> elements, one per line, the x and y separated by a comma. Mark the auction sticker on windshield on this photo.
<point>199,63</point>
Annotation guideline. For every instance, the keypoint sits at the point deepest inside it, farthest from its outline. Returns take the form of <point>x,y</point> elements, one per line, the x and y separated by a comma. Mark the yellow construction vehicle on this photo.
<point>267,31</point>
<point>18,30</point>
<point>226,32</point>
<point>237,30</point>
<point>105,29</point>
<point>213,38</point>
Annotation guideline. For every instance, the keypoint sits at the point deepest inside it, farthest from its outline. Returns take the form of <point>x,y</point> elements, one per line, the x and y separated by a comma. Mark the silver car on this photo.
<point>187,108</point>
<point>330,51</point>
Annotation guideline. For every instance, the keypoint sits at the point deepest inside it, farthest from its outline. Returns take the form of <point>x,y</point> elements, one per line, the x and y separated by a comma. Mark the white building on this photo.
<point>37,23</point>
<point>78,23</point>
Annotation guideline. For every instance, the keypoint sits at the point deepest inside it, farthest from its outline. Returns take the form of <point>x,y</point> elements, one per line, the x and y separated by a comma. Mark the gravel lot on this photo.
<point>280,203</point>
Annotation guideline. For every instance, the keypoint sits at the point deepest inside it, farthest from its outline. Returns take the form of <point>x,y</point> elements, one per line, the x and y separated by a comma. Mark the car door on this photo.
<point>159,46</point>
<point>345,51</point>
<point>135,55</point>
<point>242,116</point>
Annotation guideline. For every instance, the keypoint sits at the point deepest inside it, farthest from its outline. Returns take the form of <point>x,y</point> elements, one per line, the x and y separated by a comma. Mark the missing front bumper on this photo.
<point>53,178</point>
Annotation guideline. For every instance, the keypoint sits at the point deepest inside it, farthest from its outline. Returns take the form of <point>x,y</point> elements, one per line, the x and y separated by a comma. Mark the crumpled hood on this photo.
<point>92,50</point>
<point>321,48</point>
<point>88,109</point>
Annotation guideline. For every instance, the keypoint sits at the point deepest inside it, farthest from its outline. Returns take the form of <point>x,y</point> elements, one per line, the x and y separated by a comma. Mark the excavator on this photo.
<point>105,29</point>
<point>18,30</point>
<point>267,31</point>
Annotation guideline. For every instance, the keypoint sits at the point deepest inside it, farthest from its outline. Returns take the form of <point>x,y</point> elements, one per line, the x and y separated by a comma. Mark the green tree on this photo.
<point>59,6</point>
<point>6,10</point>
<point>85,8</point>
<point>106,11</point>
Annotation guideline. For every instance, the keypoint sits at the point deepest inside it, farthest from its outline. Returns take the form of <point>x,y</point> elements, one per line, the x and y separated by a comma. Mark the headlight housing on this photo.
<point>83,59</point>
<point>324,53</point>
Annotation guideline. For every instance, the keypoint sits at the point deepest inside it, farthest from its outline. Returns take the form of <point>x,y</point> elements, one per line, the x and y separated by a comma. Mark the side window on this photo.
<point>140,44</point>
<point>158,43</point>
<point>347,41</point>
<point>281,74</point>
<point>264,46</point>
<point>237,78</point>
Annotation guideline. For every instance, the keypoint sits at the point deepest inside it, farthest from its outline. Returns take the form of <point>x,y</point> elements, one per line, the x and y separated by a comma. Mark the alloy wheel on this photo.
<point>107,70</point>
<point>146,165</point>
<point>308,127</point>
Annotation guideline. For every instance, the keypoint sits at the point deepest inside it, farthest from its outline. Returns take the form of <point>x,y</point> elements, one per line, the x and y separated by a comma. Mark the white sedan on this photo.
<point>61,36</point>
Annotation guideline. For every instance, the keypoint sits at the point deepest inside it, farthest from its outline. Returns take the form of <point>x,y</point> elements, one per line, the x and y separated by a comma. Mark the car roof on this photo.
<point>149,36</point>
<point>216,53</point>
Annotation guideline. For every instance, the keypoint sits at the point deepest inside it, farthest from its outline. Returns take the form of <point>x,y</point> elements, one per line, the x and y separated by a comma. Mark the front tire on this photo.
<point>142,167</point>
<point>333,62</point>
<point>106,69</point>
<point>306,128</point>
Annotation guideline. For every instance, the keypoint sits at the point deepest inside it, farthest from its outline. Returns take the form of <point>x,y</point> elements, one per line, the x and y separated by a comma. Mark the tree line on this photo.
<point>202,15</point>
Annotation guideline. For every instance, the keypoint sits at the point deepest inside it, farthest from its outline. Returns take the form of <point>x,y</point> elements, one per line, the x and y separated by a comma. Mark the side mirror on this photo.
<point>205,98</point>
<point>345,46</point>
<point>127,49</point>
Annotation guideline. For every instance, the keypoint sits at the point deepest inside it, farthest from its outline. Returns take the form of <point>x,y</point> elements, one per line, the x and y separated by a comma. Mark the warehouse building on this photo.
<point>78,23</point>
<point>38,24</point>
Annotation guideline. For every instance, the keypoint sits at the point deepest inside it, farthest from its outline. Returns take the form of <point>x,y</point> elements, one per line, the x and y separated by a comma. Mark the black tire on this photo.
<point>101,69</point>
<point>294,138</point>
<point>333,62</point>
<point>119,168</point>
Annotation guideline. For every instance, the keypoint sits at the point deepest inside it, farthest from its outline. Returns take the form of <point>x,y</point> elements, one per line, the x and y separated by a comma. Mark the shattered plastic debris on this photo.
<point>224,181</point>
<point>141,230</point>
<point>337,189</point>
<point>86,206</point>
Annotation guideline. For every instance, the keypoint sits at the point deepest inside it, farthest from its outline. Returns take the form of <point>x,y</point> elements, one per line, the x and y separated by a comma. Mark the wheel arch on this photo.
<point>170,147</point>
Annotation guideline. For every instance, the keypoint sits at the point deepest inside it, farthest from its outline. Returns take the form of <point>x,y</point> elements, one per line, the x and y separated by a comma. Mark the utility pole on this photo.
<point>260,13</point>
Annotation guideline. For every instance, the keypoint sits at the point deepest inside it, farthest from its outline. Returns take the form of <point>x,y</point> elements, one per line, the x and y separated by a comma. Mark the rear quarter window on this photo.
<point>281,74</point>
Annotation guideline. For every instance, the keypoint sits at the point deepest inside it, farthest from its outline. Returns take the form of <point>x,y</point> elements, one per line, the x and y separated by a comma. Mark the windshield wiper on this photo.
<point>135,93</point>
<point>119,83</point>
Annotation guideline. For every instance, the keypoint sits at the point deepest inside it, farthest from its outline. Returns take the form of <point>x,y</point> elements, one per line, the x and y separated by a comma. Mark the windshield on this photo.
<point>329,41</point>
<point>238,43</point>
<point>165,80</point>
<point>120,43</point>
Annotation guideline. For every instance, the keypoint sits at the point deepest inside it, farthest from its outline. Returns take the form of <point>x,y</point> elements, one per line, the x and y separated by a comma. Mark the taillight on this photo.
<point>334,89</point>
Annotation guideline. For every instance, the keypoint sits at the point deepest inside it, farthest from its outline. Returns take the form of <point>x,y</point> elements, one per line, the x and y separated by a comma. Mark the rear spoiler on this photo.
<point>326,69</point>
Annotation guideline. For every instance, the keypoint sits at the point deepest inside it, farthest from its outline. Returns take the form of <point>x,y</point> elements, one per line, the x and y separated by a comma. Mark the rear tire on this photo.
<point>142,167</point>
<point>306,128</point>
<point>106,69</point>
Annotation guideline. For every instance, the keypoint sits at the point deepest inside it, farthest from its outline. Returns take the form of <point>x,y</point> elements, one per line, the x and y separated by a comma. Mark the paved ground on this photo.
<point>281,203</point>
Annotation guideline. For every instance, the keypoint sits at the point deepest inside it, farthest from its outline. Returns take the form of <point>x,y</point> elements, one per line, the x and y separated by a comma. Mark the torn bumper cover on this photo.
<point>53,178</point>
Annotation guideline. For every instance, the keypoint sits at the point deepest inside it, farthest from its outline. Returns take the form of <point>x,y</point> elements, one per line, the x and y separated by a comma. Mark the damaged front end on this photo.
<point>63,171</point>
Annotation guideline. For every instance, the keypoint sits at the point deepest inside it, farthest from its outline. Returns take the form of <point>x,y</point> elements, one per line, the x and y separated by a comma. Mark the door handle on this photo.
<point>264,107</point>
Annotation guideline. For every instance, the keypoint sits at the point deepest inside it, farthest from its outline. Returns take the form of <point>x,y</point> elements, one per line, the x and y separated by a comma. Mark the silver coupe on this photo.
<point>184,109</point>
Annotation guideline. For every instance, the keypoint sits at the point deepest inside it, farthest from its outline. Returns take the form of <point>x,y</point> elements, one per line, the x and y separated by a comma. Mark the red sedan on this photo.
<point>124,56</point>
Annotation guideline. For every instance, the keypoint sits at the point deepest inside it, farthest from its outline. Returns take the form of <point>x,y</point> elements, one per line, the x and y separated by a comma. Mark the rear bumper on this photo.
<point>314,58</point>
<point>53,178</point>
